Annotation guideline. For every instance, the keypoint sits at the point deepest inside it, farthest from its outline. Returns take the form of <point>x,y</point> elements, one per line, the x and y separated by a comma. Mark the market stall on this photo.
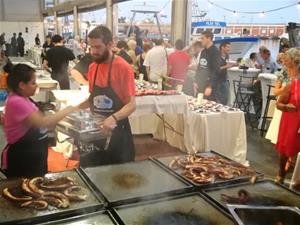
<point>154,191</point>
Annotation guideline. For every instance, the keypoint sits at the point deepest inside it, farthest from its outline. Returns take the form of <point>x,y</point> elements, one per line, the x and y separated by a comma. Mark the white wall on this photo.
<point>20,10</point>
<point>15,27</point>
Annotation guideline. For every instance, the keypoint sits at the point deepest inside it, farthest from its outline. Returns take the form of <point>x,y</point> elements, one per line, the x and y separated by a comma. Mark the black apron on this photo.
<point>105,101</point>
<point>28,156</point>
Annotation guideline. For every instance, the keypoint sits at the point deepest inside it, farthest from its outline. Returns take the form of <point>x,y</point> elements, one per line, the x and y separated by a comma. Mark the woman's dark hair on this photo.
<point>122,44</point>
<point>19,73</point>
<point>252,55</point>
<point>101,32</point>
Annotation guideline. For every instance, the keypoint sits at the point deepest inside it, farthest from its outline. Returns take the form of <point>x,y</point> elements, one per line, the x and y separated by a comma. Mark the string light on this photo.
<point>262,14</point>
<point>235,13</point>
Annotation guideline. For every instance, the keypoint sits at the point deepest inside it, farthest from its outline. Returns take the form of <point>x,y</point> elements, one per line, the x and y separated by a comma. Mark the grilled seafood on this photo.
<point>76,193</point>
<point>56,199</point>
<point>26,189</point>
<point>57,184</point>
<point>34,185</point>
<point>205,169</point>
<point>36,204</point>
<point>242,198</point>
<point>39,192</point>
<point>12,197</point>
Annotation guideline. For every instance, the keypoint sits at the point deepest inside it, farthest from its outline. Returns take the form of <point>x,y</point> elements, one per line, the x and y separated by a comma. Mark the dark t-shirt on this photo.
<point>125,56</point>
<point>21,42</point>
<point>46,47</point>
<point>37,41</point>
<point>208,69</point>
<point>58,59</point>
<point>13,42</point>
<point>223,72</point>
<point>83,65</point>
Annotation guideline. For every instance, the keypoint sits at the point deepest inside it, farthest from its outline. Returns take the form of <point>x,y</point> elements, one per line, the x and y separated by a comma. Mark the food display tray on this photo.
<point>11,214</point>
<point>185,209</point>
<point>263,193</point>
<point>134,181</point>
<point>165,161</point>
<point>247,215</point>
<point>96,218</point>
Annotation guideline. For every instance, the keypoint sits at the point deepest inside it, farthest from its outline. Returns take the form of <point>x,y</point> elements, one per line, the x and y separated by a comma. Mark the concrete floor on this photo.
<point>261,153</point>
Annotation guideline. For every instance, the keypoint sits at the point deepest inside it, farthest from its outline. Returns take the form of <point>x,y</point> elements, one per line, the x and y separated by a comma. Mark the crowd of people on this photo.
<point>108,65</point>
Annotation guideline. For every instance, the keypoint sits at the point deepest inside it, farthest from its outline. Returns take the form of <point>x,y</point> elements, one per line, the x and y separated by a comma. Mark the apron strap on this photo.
<point>95,76</point>
<point>109,71</point>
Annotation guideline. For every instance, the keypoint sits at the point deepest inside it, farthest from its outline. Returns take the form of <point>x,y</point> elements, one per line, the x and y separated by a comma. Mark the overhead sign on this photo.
<point>209,24</point>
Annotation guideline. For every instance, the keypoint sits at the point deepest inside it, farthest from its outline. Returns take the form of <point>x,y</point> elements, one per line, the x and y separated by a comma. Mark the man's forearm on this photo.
<point>126,110</point>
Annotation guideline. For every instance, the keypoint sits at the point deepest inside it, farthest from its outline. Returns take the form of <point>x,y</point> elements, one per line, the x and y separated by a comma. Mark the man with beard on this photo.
<point>112,95</point>
<point>57,58</point>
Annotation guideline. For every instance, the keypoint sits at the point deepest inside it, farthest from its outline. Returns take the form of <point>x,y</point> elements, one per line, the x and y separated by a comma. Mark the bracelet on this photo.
<point>115,118</point>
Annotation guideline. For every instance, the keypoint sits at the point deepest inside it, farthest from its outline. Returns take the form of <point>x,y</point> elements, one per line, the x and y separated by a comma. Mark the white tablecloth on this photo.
<point>176,104</point>
<point>221,132</point>
<point>273,129</point>
<point>234,74</point>
<point>17,60</point>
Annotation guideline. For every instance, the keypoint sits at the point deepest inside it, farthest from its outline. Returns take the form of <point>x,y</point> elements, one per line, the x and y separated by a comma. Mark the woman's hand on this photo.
<point>290,107</point>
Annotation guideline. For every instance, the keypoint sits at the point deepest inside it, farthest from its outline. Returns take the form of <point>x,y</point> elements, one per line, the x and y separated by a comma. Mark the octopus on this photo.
<point>206,169</point>
<point>38,193</point>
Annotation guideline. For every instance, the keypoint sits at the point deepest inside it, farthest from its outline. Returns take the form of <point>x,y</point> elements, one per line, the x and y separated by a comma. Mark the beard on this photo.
<point>101,58</point>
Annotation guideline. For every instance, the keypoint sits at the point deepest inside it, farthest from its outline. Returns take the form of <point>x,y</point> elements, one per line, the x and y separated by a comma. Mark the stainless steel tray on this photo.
<point>254,215</point>
<point>80,135</point>
<point>165,161</point>
<point>135,181</point>
<point>263,193</point>
<point>96,218</point>
<point>186,209</point>
<point>11,214</point>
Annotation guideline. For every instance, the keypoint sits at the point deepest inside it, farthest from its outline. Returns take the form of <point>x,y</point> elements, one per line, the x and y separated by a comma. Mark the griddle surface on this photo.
<point>10,212</point>
<point>268,217</point>
<point>186,210</point>
<point>133,180</point>
<point>264,193</point>
<point>98,218</point>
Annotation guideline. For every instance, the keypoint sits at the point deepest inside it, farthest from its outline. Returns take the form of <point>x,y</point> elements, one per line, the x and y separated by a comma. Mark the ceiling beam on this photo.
<point>66,8</point>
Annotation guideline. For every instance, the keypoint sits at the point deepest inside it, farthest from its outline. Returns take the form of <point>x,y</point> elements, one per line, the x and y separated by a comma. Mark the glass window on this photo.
<point>199,30</point>
<point>217,31</point>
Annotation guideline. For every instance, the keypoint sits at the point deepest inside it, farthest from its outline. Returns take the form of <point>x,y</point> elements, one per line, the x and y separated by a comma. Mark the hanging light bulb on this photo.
<point>210,4</point>
<point>298,5</point>
<point>235,13</point>
<point>262,14</point>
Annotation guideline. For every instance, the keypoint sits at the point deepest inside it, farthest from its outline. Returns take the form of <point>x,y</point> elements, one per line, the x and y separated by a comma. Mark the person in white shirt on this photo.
<point>156,62</point>
<point>77,50</point>
<point>251,62</point>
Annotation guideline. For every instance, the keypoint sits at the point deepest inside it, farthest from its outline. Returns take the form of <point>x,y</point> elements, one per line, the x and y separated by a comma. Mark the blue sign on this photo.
<point>209,24</point>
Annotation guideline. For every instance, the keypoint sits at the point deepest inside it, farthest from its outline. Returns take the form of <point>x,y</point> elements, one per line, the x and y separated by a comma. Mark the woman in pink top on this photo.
<point>27,150</point>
